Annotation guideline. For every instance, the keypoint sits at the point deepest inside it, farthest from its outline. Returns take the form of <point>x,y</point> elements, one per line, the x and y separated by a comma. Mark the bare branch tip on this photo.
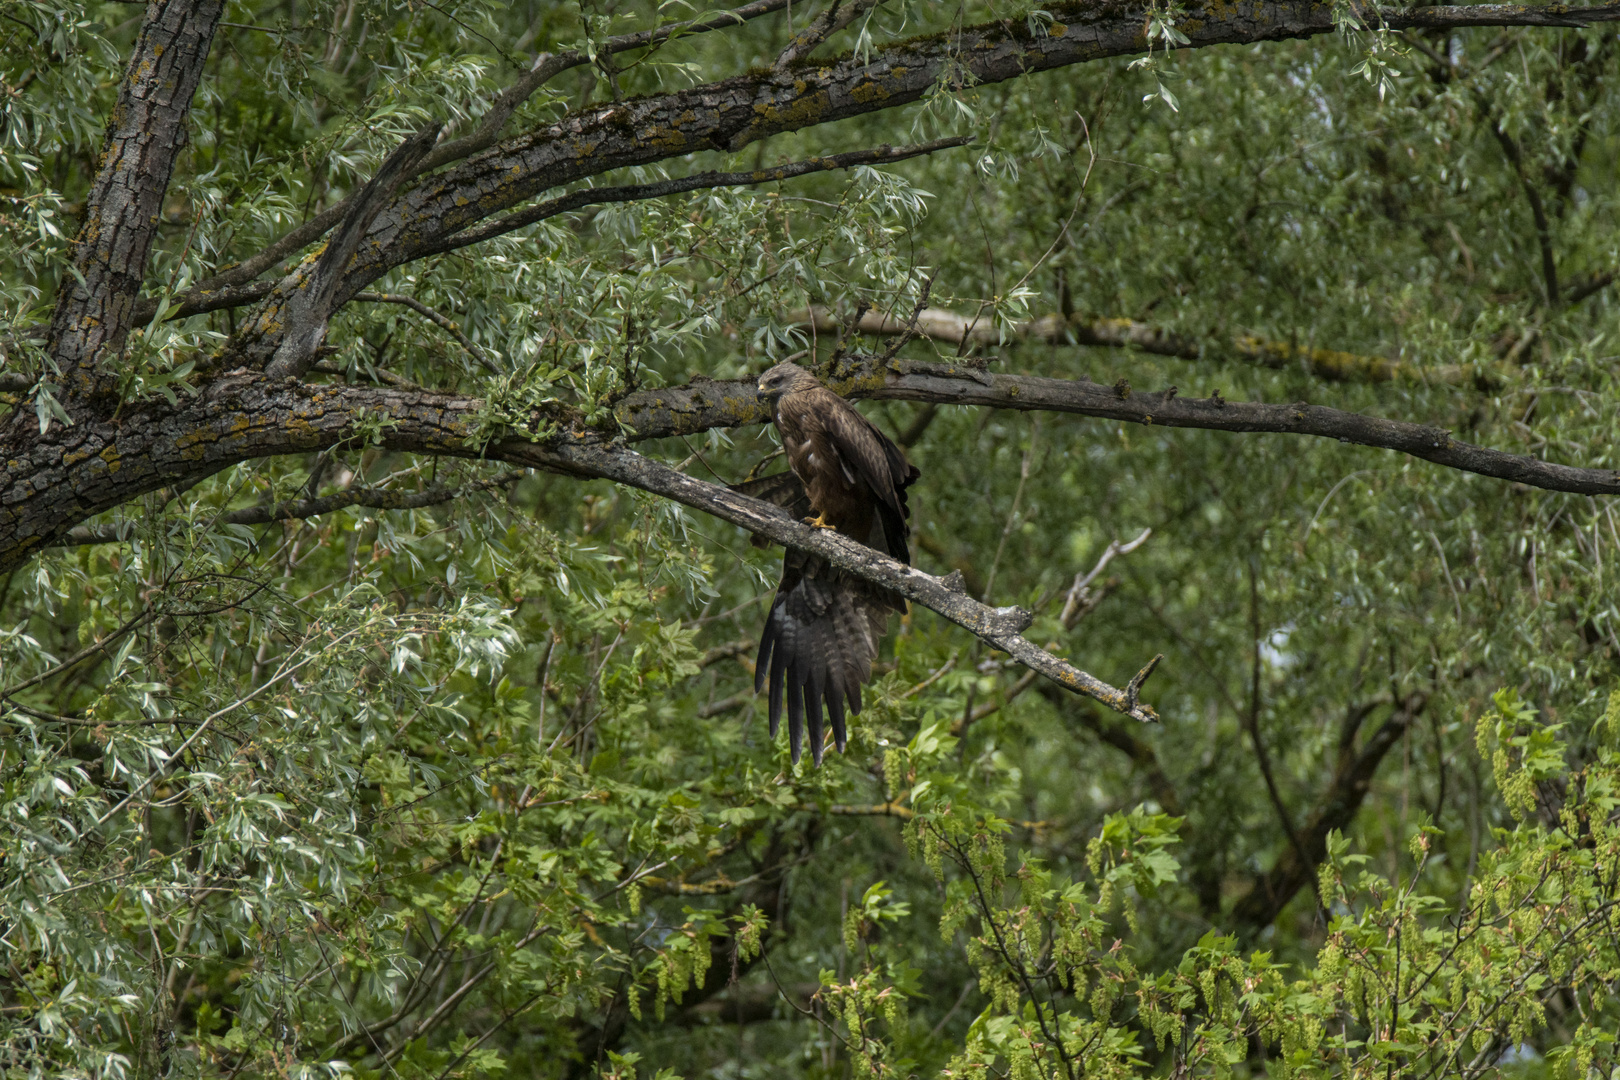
<point>1133,690</point>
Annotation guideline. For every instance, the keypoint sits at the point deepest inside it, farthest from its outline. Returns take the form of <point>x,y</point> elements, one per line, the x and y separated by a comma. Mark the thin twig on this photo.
<point>439,319</point>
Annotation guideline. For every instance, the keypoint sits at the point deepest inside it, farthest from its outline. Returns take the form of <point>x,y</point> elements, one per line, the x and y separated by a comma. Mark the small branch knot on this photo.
<point>1014,619</point>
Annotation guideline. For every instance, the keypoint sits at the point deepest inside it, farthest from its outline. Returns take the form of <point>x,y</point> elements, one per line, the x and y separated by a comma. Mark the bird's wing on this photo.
<point>876,461</point>
<point>783,489</point>
<point>820,639</point>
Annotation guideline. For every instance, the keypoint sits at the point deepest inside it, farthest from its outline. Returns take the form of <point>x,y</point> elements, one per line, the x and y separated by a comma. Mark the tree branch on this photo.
<point>1538,212</point>
<point>998,627</point>
<point>1251,724</point>
<point>1337,809</point>
<point>310,294</point>
<point>243,415</point>
<point>50,483</point>
<point>733,113</point>
<point>700,406</point>
<point>1079,603</point>
<point>202,300</point>
<point>1593,284</point>
<point>833,18</point>
<point>371,498</point>
<point>938,324</point>
<point>641,192</point>
<point>215,292</point>
<point>53,482</point>
<point>442,321</point>
<point>95,309</point>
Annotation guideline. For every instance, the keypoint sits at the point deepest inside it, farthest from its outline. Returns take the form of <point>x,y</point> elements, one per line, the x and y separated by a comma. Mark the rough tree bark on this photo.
<point>96,306</point>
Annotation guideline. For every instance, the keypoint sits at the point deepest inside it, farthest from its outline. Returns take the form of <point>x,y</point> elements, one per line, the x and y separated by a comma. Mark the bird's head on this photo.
<point>786,378</point>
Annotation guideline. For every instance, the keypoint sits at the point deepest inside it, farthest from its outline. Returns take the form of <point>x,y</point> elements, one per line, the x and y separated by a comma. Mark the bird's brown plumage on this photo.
<point>824,626</point>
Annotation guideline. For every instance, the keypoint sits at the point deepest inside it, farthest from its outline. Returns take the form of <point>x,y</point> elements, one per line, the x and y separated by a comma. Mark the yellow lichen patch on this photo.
<point>868,380</point>
<point>741,410</point>
<point>666,138</point>
<point>111,457</point>
<point>799,112</point>
<point>1328,363</point>
<point>193,445</point>
<point>1056,30</point>
<point>71,459</point>
<point>298,426</point>
<point>869,92</point>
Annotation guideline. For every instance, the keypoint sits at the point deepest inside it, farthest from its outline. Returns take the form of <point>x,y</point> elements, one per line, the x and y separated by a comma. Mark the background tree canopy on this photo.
<point>376,628</point>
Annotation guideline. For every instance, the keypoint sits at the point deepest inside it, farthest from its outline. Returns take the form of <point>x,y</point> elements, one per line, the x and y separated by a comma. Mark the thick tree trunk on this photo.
<point>96,307</point>
<point>50,482</point>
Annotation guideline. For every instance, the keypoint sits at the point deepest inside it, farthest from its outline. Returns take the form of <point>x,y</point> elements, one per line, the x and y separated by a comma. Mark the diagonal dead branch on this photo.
<point>1001,628</point>
<point>311,293</point>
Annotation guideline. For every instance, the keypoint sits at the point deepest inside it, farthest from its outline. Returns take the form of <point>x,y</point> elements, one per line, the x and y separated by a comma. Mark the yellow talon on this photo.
<point>819,522</point>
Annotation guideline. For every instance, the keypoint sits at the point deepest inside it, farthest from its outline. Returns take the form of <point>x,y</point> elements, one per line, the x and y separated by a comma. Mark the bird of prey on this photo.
<point>824,626</point>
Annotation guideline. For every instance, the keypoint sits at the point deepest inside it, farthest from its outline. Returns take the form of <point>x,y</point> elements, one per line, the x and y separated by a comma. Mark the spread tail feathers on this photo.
<point>816,651</point>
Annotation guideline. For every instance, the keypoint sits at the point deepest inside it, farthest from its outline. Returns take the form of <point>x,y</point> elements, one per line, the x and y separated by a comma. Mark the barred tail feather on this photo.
<point>816,650</point>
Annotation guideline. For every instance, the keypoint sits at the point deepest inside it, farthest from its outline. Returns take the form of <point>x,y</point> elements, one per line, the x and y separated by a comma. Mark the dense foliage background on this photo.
<point>479,786</point>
